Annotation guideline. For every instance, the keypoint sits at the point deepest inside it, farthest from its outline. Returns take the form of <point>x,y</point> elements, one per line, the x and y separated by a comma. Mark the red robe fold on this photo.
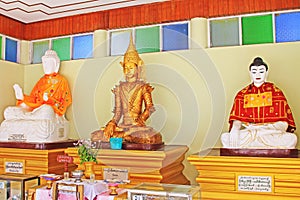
<point>261,105</point>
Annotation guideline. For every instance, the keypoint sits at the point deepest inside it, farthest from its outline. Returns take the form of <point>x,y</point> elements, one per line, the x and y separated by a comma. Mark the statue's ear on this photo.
<point>267,73</point>
<point>250,74</point>
<point>57,68</point>
<point>140,63</point>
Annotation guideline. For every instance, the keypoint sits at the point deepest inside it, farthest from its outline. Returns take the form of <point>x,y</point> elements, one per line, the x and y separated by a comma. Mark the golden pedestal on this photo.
<point>36,158</point>
<point>160,166</point>
<point>244,178</point>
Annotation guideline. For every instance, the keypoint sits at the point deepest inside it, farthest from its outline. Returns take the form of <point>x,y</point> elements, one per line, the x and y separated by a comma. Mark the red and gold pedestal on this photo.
<point>160,166</point>
<point>244,178</point>
<point>37,158</point>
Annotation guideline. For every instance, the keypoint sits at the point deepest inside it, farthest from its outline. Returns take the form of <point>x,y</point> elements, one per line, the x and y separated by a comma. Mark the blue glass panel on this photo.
<point>39,49</point>
<point>11,51</point>
<point>175,37</point>
<point>224,32</point>
<point>83,46</point>
<point>119,41</point>
<point>287,26</point>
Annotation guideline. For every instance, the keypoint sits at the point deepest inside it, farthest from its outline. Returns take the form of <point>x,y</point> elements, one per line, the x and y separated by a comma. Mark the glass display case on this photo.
<point>158,191</point>
<point>14,186</point>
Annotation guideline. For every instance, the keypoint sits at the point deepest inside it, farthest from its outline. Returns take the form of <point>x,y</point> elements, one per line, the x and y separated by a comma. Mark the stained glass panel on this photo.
<point>119,41</point>
<point>257,29</point>
<point>287,26</point>
<point>62,48</point>
<point>224,32</point>
<point>11,50</point>
<point>175,37</point>
<point>83,46</point>
<point>39,49</point>
<point>147,39</point>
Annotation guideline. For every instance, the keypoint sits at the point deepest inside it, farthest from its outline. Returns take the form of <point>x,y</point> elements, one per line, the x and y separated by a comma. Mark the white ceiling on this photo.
<point>28,11</point>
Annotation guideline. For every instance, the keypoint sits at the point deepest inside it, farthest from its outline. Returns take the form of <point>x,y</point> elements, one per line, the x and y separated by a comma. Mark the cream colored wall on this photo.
<point>10,73</point>
<point>194,89</point>
<point>193,93</point>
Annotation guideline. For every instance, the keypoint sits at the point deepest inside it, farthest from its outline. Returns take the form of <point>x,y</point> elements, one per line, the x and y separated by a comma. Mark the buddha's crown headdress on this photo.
<point>132,55</point>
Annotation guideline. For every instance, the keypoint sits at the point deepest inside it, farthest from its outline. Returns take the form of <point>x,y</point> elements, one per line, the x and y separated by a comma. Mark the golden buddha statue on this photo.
<point>133,104</point>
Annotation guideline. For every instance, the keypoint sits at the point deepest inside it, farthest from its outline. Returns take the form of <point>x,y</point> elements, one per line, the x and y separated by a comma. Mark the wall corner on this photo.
<point>199,35</point>
<point>100,43</point>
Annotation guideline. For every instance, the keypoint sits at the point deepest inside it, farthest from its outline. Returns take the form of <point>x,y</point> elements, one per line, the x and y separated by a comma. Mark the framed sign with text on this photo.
<point>115,174</point>
<point>14,166</point>
<point>254,183</point>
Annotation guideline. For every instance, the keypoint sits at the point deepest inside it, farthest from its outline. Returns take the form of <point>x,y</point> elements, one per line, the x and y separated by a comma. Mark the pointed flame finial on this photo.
<point>132,55</point>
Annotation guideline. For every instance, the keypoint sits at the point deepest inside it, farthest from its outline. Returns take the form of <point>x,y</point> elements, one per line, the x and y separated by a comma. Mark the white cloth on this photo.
<point>91,190</point>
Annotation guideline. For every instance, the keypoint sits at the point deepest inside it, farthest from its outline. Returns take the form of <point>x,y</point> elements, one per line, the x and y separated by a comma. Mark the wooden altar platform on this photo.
<point>244,178</point>
<point>35,158</point>
<point>160,166</point>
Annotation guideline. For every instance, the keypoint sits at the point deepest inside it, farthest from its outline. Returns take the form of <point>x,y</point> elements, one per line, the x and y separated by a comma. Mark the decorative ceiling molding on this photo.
<point>28,11</point>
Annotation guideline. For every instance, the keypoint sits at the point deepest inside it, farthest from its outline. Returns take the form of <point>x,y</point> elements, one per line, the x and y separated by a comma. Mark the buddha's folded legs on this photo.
<point>42,112</point>
<point>253,139</point>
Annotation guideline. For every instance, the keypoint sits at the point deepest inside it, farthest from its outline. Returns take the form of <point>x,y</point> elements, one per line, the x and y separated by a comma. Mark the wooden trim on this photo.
<point>161,12</point>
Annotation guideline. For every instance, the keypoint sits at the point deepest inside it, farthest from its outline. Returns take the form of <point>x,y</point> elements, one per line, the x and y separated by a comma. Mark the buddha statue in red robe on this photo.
<point>261,116</point>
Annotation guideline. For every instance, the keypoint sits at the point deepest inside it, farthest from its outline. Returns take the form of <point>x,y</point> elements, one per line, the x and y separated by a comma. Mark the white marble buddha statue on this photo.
<point>39,117</point>
<point>260,117</point>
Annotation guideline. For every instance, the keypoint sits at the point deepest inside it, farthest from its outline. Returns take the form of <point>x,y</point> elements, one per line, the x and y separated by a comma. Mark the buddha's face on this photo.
<point>258,74</point>
<point>49,65</point>
<point>130,70</point>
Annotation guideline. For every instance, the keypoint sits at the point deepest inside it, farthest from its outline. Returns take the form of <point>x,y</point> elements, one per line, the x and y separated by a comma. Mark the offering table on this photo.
<point>244,178</point>
<point>94,191</point>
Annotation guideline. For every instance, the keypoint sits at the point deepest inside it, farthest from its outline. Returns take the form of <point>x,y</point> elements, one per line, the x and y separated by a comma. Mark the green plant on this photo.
<point>87,151</point>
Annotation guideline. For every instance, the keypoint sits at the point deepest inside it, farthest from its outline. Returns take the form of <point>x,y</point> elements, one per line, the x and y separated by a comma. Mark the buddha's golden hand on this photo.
<point>110,129</point>
<point>139,122</point>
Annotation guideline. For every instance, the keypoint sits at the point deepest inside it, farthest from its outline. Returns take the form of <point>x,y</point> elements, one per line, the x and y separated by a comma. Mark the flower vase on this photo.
<point>89,169</point>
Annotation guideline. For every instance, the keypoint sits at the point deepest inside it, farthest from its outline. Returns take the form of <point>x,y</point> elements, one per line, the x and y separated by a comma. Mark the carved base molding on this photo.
<point>244,177</point>
<point>276,153</point>
<point>161,166</point>
<point>37,145</point>
<point>134,146</point>
<point>34,158</point>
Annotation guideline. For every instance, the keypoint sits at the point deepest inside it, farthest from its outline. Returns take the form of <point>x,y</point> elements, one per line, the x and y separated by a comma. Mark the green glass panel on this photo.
<point>39,49</point>
<point>62,48</point>
<point>0,47</point>
<point>257,29</point>
<point>147,39</point>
